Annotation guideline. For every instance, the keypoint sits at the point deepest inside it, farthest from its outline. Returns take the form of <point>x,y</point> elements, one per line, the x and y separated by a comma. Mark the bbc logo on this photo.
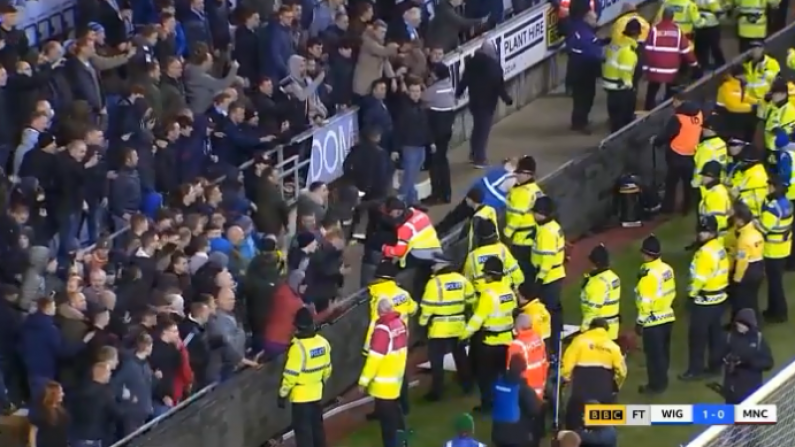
<point>596,415</point>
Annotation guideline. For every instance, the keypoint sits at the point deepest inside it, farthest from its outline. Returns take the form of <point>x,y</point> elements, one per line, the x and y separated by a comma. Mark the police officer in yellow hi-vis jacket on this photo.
<point>748,262</point>
<point>752,20</point>
<point>629,12</point>
<point>306,371</point>
<point>686,15</point>
<point>474,199</point>
<point>654,297</point>
<point>531,305</point>
<point>618,75</point>
<point>779,116</point>
<point>443,312</point>
<point>775,223</point>
<point>492,325</point>
<point>601,293</point>
<point>549,255</point>
<point>520,226</point>
<point>748,177</point>
<point>711,148</point>
<point>708,291</point>
<point>760,70</point>
<point>707,37</point>
<point>384,372</point>
<point>594,367</point>
<point>716,200</point>
<point>491,246</point>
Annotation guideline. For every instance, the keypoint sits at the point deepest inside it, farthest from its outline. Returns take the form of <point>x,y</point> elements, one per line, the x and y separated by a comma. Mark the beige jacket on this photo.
<point>373,63</point>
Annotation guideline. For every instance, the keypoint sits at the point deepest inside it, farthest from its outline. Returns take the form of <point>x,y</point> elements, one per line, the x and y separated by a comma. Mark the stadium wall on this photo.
<point>243,412</point>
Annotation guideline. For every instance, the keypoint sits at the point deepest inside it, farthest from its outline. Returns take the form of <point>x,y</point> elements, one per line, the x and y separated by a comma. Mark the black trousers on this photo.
<point>550,296</point>
<point>620,108</point>
<point>776,298</point>
<point>657,349</point>
<point>583,92</point>
<point>707,43</point>
<point>791,259</point>
<point>437,349</point>
<point>522,254</point>
<point>575,406</point>
<point>308,424</point>
<point>390,418</point>
<point>745,295</point>
<point>651,94</point>
<point>744,44</point>
<point>439,166</point>
<point>680,169</point>
<point>705,332</point>
<point>488,362</point>
<point>777,18</point>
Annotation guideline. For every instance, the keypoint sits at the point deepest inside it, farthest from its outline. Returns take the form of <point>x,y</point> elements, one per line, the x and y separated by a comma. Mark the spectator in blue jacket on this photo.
<point>197,26</point>
<point>125,190</point>
<point>248,47</point>
<point>218,14</point>
<point>465,431</point>
<point>190,147</point>
<point>133,383</point>
<point>375,114</point>
<point>240,141</point>
<point>42,346</point>
<point>278,45</point>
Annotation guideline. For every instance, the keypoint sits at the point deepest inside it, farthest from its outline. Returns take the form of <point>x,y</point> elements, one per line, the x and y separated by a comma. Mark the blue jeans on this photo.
<point>413,158</point>
<point>479,138</point>
<point>68,230</point>
<point>93,223</point>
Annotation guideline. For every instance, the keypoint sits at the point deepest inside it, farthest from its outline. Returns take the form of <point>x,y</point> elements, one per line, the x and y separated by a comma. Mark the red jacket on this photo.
<point>665,50</point>
<point>279,326</point>
<point>184,377</point>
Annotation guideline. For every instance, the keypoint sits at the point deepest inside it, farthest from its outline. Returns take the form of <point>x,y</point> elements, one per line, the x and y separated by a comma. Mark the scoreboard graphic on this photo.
<point>699,414</point>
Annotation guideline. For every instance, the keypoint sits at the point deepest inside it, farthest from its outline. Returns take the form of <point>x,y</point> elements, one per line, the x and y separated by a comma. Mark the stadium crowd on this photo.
<point>144,219</point>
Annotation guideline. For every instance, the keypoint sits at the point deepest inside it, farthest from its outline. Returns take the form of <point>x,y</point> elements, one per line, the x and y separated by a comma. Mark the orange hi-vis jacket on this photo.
<point>530,346</point>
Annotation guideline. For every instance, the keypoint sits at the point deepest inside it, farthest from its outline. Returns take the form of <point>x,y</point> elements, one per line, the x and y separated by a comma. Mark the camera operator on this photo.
<point>748,357</point>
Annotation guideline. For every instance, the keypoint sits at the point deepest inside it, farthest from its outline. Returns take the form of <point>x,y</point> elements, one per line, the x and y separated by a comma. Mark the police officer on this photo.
<point>549,254</point>
<point>594,368</point>
<point>493,320</point>
<point>601,293</point>
<point>443,311</point>
<point>531,305</point>
<point>752,20</point>
<point>748,178</point>
<point>715,197</point>
<point>775,223</point>
<point>680,136</point>
<point>687,16</point>
<point>749,267</point>
<point>520,225</point>
<point>746,358</point>
<point>306,371</point>
<point>760,71</point>
<point>709,281</point>
<point>711,148</point>
<point>491,246</point>
<point>585,62</point>
<point>618,74</point>
<point>785,168</point>
<point>780,118</point>
<point>707,37</point>
<point>654,297</point>
<point>440,98</point>
<point>481,212</point>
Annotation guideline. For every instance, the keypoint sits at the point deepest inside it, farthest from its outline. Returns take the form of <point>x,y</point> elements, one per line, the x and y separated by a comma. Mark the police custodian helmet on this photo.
<point>493,266</point>
<point>708,224</point>
<point>712,169</point>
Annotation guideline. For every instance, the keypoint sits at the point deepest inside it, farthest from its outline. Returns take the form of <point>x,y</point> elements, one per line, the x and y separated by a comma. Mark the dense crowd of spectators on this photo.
<point>127,126</point>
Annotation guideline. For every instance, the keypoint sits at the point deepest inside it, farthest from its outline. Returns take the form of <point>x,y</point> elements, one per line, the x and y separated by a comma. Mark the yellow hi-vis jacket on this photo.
<point>540,320</point>
<point>402,302</point>
<point>716,201</point>
<point>686,14</point>
<point>748,254</point>
<point>791,58</point>
<point>710,11</point>
<point>709,149</point>
<point>655,294</point>
<point>307,369</point>
<point>735,97</point>
<point>620,25</point>
<point>520,225</point>
<point>593,350</point>
<point>709,274</point>
<point>776,224</point>
<point>485,212</point>
<point>600,298</point>
<point>385,367</point>
<point>473,266</point>
<point>749,185</point>
<point>778,117</point>
<point>618,69</point>
<point>760,75</point>
<point>549,253</point>
<point>752,17</point>
<point>493,314</point>
<point>444,303</point>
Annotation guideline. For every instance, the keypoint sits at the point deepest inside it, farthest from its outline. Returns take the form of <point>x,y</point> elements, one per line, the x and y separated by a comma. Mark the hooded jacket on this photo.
<point>747,356</point>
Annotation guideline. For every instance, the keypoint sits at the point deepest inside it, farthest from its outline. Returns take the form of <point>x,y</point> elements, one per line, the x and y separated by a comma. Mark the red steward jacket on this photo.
<point>184,377</point>
<point>665,50</point>
<point>279,326</point>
